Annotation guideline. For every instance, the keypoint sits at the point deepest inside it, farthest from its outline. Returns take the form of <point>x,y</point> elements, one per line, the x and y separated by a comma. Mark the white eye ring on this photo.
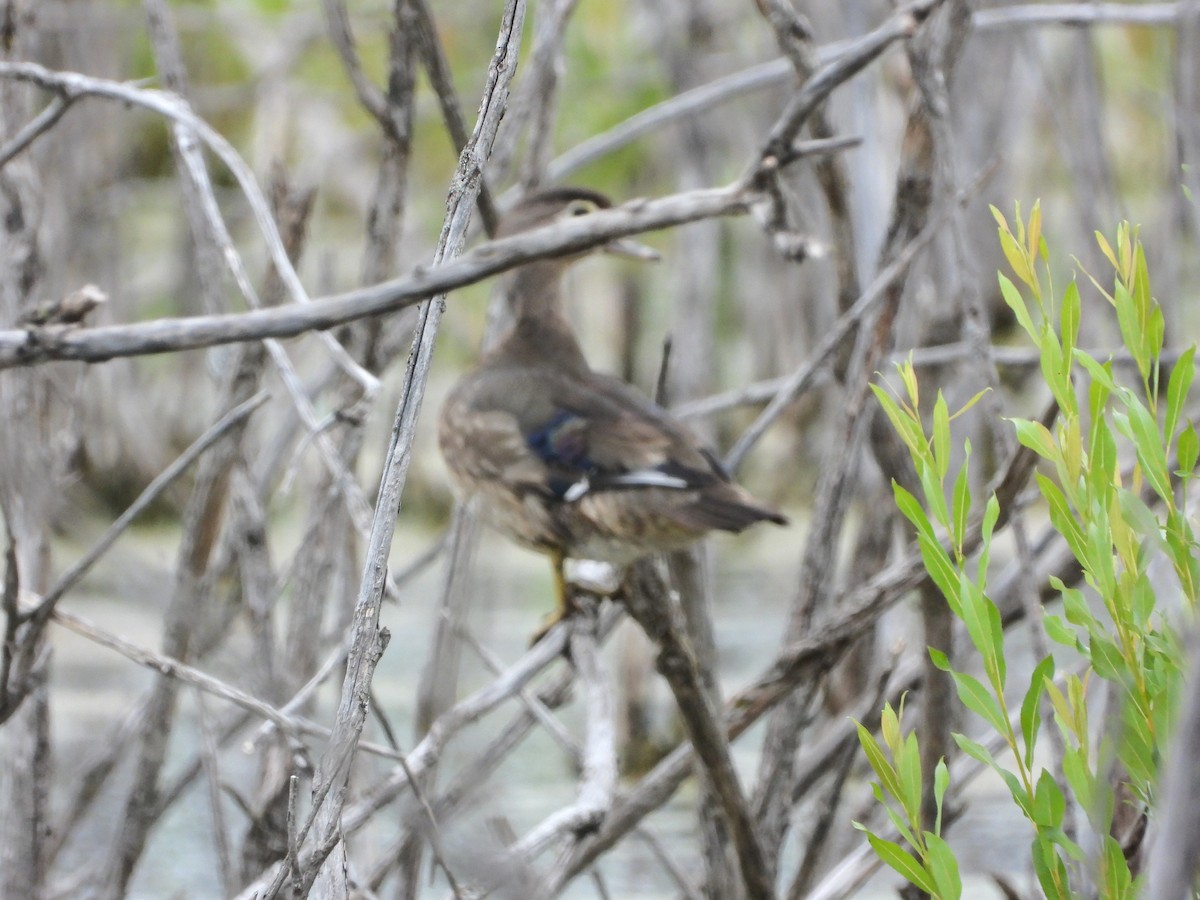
<point>579,208</point>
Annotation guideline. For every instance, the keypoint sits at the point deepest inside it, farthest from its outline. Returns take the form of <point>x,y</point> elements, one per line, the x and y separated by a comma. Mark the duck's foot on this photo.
<point>561,614</point>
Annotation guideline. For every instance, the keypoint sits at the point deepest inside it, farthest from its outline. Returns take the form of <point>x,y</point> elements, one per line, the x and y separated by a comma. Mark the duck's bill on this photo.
<point>631,249</point>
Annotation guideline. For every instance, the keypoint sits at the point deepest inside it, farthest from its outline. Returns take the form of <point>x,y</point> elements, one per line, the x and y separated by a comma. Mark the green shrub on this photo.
<point>1117,467</point>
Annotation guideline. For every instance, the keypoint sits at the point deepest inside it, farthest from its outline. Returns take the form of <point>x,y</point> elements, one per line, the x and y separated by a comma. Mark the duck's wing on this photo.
<point>574,438</point>
<point>606,437</point>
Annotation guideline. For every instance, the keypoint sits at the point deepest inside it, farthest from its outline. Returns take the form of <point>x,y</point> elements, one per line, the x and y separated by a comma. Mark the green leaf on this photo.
<point>1058,632</point>
<point>1145,435</point>
<point>1012,296</point>
<point>1115,878</point>
<point>1015,254</point>
<point>975,750</point>
<point>1104,463</point>
<point>943,867</point>
<point>1188,449</point>
<point>904,425</point>
<point>1107,250</point>
<point>1155,329</point>
<point>1018,792</point>
<point>1106,658</point>
<point>1070,441</point>
<point>1030,721</point>
<point>1074,605</point>
<point>991,515</point>
<point>879,761</point>
<point>1062,517</point>
<point>1101,374</point>
<point>1177,389</point>
<point>1139,517</point>
<point>1142,603</point>
<point>1037,438</point>
<point>1181,545</point>
<point>911,508</point>
<point>1050,870</point>
<point>941,781</point>
<point>975,398</point>
<point>889,728</point>
<point>1132,334</point>
<point>941,436</point>
<point>1079,777</point>
<point>937,561</point>
<point>1137,751</point>
<point>1054,368</point>
<point>979,700</point>
<point>1099,559</point>
<point>962,503</point>
<point>1035,229</point>
<point>982,619</point>
<point>900,823</point>
<point>1070,318</point>
<point>902,862</point>
<point>908,766</point>
<point>1048,802</point>
<point>934,497</point>
<point>940,569</point>
<point>1148,311</point>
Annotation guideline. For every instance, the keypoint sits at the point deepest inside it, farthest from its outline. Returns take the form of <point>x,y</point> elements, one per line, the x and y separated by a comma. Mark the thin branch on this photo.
<point>780,71</point>
<point>369,638</point>
<point>689,890</point>
<point>29,346</point>
<point>650,605</point>
<point>12,616</point>
<point>803,377</point>
<point>1010,358</point>
<point>860,52</point>
<point>212,773</point>
<point>539,710</point>
<point>1035,14</point>
<point>144,500</point>
<point>599,779</point>
<point>437,67</point>
<point>434,833</point>
<point>35,128</point>
<point>74,85</point>
<point>470,709</point>
<point>293,842</point>
<point>172,668</point>
<point>369,96</point>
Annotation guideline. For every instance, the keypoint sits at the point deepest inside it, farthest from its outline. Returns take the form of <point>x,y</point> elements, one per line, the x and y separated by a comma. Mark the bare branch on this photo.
<point>25,347</point>
<point>367,644</point>
<point>35,128</point>
<point>599,756</point>
<point>1036,14</point>
<point>172,668</point>
<point>145,499</point>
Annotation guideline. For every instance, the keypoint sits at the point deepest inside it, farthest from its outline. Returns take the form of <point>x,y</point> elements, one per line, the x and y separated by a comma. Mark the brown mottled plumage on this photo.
<point>572,462</point>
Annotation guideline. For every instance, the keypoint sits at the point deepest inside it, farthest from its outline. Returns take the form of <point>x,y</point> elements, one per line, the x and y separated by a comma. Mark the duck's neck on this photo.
<point>540,327</point>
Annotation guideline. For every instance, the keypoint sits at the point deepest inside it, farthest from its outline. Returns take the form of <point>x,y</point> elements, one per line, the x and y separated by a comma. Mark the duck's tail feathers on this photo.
<point>727,511</point>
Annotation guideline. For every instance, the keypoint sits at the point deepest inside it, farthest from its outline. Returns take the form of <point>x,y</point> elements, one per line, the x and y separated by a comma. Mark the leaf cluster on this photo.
<point>1118,463</point>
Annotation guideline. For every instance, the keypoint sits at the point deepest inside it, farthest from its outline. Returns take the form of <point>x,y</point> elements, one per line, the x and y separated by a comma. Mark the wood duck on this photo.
<point>568,461</point>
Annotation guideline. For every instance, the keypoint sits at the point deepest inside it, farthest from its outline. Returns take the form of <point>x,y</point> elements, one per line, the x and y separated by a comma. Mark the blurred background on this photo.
<point>1099,122</point>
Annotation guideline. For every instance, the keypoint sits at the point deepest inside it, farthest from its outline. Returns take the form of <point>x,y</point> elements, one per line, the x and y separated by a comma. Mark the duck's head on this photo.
<point>558,204</point>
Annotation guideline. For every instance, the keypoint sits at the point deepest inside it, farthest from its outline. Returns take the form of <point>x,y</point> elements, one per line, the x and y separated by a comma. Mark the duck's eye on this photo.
<point>579,209</point>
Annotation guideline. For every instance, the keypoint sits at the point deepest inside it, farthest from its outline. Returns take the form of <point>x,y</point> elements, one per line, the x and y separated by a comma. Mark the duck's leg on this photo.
<point>563,607</point>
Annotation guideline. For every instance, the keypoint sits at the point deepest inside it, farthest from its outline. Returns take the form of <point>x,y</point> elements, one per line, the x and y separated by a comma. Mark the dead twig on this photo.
<point>369,638</point>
